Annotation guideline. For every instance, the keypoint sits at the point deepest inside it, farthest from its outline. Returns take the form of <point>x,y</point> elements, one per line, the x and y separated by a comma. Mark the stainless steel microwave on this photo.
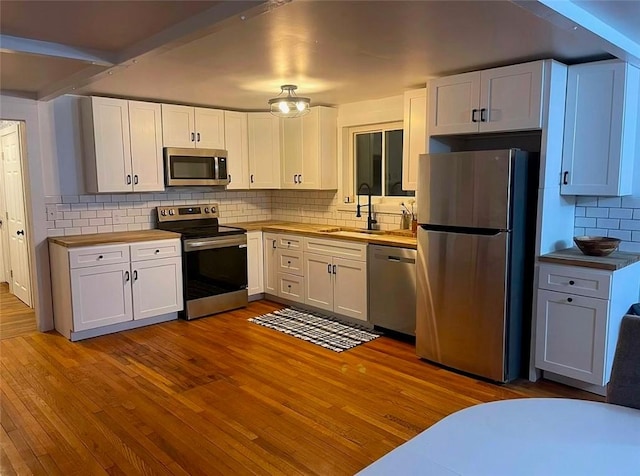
<point>195,167</point>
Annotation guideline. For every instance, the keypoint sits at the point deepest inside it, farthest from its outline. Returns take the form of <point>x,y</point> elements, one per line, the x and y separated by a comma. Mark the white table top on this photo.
<point>532,436</point>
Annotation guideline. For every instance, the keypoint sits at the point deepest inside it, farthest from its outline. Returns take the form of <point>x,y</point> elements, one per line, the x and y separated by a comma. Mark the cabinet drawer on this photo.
<point>575,280</point>
<point>291,287</point>
<point>338,248</point>
<point>290,262</point>
<point>146,250</point>
<point>87,256</point>
<point>289,242</point>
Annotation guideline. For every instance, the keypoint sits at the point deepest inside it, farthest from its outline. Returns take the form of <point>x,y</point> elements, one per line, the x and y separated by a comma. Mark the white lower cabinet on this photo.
<point>270,248</point>
<point>107,288</point>
<point>333,282</point>
<point>578,315</point>
<point>291,287</point>
<point>255,260</point>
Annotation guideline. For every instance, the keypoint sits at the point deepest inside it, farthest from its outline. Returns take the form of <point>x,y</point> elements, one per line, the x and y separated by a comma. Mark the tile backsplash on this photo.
<point>616,217</point>
<point>86,214</point>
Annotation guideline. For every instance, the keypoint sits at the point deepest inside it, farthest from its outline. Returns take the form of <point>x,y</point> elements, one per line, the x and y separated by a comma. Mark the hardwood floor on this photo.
<point>220,396</point>
<point>16,318</point>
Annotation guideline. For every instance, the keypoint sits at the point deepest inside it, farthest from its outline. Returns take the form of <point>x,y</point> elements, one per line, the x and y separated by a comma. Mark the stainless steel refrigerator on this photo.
<point>474,259</point>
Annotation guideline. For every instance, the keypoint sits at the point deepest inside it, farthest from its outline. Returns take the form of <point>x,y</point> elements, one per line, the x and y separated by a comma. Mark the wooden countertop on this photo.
<point>396,238</point>
<point>575,257</point>
<point>73,241</point>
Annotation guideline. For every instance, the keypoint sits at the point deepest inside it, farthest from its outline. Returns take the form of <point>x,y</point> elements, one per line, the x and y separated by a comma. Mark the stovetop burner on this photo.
<point>199,221</point>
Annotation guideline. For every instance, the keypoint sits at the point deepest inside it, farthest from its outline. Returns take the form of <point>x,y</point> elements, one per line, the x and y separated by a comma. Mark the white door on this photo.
<point>318,273</point>
<point>113,144</point>
<point>313,127</point>
<point>511,98</point>
<point>270,263</point>
<point>157,287</point>
<point>454,104</point>
<point>209,128</point>
<point>415,136</point>
<point>255,262</point>
<point>264,150</point>
<point>236,142</point>
<point>145,124</point>
<point>572,332</point>
<point>178,126</point>
<point>291,152</point>
<point>350,288</point>
<point>19,278</point>
<point>101,296</point>
<point>5,267</point>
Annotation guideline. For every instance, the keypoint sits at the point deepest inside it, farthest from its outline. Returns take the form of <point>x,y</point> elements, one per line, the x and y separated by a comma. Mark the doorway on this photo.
<point>14,242</point>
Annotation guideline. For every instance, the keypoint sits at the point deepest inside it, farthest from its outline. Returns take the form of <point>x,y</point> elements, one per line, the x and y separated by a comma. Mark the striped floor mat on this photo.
<point>315,328</point>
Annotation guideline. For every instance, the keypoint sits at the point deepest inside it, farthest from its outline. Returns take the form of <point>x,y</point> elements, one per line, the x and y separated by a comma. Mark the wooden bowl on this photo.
<point>596,245</point>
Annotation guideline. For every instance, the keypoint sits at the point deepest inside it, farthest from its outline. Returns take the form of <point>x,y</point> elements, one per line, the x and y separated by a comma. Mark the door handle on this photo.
<point>198,134</point>
<point>299,178</point>
<point>329,268</point>
<point>20,232</point>
<point>565,178</point>
<point>126,276</point>
<point>135,275</point>
<point>135,179</point>
<point>128,179</point>
<point>274,244</point>
<point>483,118</point>
<point>251,178</point>
<point>295,178</point>
<point>229,178</point>
<point>193,137</point>
<point>473,115</point>
<point>334,269</point>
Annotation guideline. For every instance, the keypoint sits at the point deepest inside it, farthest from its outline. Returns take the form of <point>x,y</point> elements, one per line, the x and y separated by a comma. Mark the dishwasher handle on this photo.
<point>394,258</point>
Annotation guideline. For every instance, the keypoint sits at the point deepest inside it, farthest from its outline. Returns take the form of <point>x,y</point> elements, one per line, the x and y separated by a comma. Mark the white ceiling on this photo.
<point>335,51</point>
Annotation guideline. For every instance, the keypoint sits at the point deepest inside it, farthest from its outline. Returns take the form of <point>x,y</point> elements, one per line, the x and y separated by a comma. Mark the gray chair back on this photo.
<point>624,386</point>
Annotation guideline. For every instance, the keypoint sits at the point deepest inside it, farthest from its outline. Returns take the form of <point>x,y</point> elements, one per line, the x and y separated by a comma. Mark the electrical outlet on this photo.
<point>51,212</point>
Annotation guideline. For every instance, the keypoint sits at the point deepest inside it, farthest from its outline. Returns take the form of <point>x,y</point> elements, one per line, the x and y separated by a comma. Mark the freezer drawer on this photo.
<point>392,288</point>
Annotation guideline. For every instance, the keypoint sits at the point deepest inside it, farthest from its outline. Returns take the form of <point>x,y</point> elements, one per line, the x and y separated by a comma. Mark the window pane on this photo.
<point>368,154</point>
<point>393,165</point>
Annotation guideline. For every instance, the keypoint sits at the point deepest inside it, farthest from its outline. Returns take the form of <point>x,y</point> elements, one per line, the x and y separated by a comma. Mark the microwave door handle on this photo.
<point>216,169</point>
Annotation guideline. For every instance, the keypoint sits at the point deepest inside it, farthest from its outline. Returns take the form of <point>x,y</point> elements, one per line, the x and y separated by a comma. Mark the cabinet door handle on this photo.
<point>295,178</point>
<point>20,232</point>
<point>128,179</point>
<point>193,137</point>
<point>135,179</point>
<point>300,178</point>
<point>135,275</point>
<point>251,178</point>
<point>274,244</point>
<point>569,299</point>
<point>473,115</point>
<point>329,268</point>
<point>571,283</point>
<point>483,117</point>
<point>126,276</point>
<point>198,134</point>
<point>334,269</point>
<point>565,178</point>
<point>229,178</point>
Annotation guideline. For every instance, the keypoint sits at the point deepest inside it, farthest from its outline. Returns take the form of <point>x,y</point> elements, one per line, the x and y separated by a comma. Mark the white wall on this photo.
<point>27,110</point>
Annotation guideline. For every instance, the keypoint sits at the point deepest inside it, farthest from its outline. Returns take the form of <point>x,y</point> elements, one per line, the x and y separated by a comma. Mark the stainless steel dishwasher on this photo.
<point>392,288</point>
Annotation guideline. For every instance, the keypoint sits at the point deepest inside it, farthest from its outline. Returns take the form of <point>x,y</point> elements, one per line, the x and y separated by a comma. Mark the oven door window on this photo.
<point>196,168</point>
<point>215,271</point>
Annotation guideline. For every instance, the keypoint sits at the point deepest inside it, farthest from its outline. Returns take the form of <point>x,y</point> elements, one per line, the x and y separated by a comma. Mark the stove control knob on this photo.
<point>171,212</point>
<point>206,210</point>
<point>163,213</point>
<point>213,209</point>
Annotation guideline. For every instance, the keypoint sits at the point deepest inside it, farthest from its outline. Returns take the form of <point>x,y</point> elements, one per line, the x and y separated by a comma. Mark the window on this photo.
<point>377,160</point>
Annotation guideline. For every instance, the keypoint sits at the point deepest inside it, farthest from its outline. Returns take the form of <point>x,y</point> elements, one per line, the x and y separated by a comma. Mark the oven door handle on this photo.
<point>197,245</point>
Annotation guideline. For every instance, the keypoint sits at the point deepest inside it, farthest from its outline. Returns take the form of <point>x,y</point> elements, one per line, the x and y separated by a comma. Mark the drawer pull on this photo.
<point>288,263</point>
<point>571,283</point>
<point>157,251</point>
<point>569,299</point>
<point>100,257</point>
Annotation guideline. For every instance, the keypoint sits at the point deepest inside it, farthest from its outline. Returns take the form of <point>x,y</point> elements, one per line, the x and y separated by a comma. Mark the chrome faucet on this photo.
<point>370,220</point>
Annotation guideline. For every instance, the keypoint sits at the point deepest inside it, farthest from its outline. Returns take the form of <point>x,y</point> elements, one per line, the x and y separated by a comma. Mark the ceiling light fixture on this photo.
<point>290,105</point>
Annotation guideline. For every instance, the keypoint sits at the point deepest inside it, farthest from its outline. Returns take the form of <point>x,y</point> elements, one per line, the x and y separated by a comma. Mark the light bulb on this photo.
<point>284,107</point>
<point>301,106</point>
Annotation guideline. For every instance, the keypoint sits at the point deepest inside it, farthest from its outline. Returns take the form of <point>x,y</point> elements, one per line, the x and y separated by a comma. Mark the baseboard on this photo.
<point>122,326</point>
<point>587,387</point>
<point>256,297</point>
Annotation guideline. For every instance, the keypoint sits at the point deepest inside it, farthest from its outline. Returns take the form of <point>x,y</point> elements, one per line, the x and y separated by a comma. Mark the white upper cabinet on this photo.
<point>123,148</point>
<point>601,129</point>
<point>189,127</point>
<point>236,139</point>
<point>309,150</point>
<point>415,135</point>
<point>498,99</point>
<point>264,150</point>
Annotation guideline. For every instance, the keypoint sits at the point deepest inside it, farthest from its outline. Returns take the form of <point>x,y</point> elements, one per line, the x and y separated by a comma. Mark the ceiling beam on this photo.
<point>570,16</point>
<point>216,18</point>
<point>15,44</point>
